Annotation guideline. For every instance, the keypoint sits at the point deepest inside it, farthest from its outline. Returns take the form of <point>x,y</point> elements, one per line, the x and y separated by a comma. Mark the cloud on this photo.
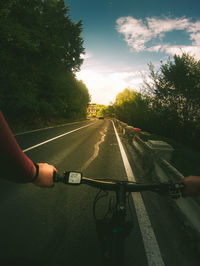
<point>192,50</point>
<point>160,26</point>
<point>177,49</point>
<point>196,38</point>
<point>140,34</point>
<point>194,27</point>
<point>104,86</point>
<point>135,31</point>
<point>86,56</point>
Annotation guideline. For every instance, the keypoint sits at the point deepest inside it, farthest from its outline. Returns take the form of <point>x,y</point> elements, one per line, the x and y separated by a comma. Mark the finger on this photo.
<point>54,169</point>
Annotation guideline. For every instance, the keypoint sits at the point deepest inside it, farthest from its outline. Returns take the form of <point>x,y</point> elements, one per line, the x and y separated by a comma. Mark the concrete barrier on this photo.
<point>155,157</point>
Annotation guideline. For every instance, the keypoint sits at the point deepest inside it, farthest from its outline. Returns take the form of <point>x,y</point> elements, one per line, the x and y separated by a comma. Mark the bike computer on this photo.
<point>73,178</point>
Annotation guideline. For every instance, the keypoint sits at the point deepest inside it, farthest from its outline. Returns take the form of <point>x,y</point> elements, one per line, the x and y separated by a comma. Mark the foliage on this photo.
<point>40,50</point>
<point>171,105</point>
<point>106,111</point>
<point>132,107</point>
<point>100,109</point>
<point>176,93</point>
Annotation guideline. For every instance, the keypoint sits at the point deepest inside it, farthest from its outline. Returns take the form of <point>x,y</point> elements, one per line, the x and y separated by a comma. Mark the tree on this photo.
<point>182,79</point>
<point>78,100</point>
<point>175,90</point>
<point>106,111</point>
<point>132,107</point>
<point>40,50</point>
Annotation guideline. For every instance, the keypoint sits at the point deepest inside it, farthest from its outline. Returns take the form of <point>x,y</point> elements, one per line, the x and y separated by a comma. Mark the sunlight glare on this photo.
<point>104,87</point>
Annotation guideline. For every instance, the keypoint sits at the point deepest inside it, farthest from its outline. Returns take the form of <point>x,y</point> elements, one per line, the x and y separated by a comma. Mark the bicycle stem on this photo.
<point>121,198</point>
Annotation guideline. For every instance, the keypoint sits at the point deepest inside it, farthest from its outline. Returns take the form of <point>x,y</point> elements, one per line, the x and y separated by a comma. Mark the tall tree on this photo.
<point>40,49</point>
<point>175,90</point>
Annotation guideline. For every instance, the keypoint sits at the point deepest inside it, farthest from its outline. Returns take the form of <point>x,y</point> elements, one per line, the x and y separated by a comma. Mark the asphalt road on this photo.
<point>55,226</point>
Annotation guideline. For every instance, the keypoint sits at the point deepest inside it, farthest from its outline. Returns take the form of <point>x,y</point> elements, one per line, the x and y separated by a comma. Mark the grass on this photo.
<point>185,158</point>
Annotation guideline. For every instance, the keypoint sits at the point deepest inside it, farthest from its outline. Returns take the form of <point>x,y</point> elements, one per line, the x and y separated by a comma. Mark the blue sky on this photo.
<point>122,36</point>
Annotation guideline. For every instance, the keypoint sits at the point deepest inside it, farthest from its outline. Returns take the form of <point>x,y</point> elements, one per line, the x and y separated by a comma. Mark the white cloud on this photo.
<point>86,56</point>
<point>177,49</point>
<point>194,27</point>
<point>160,26</point>
<point>135,31</point>
<point>138,33</point>
<point>192,50</point>
<point>155,48</point>
<point>104,86</point>
<point>196,38</point>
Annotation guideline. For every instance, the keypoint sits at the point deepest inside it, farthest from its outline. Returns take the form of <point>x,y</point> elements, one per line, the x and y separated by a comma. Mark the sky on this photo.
<point>121,37</point>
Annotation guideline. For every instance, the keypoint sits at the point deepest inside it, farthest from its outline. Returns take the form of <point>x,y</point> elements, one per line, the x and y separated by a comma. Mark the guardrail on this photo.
<point>155,157</point>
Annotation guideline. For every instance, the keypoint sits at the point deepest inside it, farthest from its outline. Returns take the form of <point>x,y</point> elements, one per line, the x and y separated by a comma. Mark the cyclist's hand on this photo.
<point>45,176</point>
<point>192,186</point>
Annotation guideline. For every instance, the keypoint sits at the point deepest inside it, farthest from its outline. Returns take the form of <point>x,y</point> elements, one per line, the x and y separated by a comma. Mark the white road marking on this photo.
<point>39,129</point>
<point>152,249</point>
<point>67,133</point>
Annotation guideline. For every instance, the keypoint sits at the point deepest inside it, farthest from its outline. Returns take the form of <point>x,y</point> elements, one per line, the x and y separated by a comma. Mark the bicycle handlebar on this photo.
<point>174,190</point>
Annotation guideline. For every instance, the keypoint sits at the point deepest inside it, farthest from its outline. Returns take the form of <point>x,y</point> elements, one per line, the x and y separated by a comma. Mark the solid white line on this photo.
<point>67,133</point>
<point>152,249</point>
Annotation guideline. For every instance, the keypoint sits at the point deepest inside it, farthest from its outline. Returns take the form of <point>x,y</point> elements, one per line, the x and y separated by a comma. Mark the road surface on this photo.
<point>55,226</point>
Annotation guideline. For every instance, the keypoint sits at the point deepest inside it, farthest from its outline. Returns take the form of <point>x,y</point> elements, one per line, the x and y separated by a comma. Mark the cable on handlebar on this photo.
<point>175,190</point>
<point>97,198</point>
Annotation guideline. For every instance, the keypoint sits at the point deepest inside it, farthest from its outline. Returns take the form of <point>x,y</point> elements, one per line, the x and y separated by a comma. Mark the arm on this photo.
<point>15,165</point>
<point>192,186</point>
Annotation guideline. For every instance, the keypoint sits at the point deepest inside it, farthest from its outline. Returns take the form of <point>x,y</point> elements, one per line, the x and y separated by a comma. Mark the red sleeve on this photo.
<point>14,164</point>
